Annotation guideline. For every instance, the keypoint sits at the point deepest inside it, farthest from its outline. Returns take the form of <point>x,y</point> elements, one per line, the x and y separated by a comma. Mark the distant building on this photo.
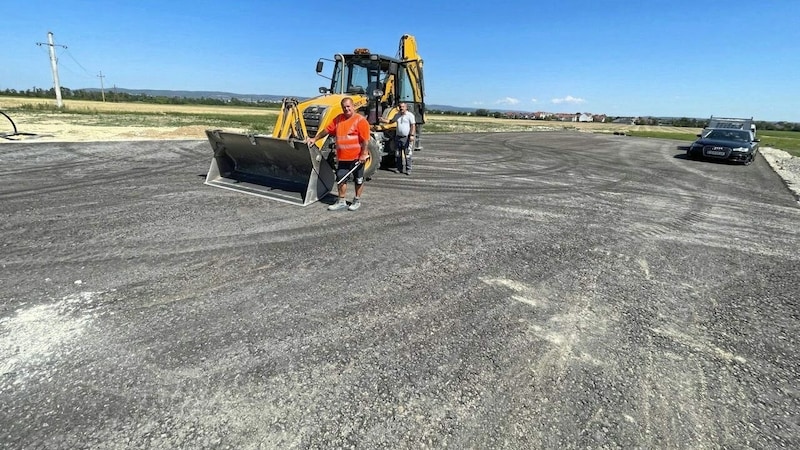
<point>625,120</point>
<point>565,117</point>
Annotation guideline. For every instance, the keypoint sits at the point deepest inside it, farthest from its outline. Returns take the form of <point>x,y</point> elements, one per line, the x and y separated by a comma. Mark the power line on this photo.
<point>102,90</point>
<point>54,66</point>
<point>69,53</point>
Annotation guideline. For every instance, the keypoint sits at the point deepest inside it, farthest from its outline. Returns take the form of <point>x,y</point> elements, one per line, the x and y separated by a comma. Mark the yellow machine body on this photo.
<point>281,166</point>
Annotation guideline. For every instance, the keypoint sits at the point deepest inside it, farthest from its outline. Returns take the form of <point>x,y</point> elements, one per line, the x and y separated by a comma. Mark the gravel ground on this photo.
<point>786,166</point>
<point>56,130</point>
<point>551,290</point>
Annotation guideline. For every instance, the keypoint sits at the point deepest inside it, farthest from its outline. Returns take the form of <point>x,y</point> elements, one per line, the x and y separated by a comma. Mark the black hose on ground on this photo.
<point>12,136</point>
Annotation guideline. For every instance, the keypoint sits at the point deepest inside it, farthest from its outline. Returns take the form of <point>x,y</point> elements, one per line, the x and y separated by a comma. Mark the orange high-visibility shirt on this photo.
<point>350,133</point>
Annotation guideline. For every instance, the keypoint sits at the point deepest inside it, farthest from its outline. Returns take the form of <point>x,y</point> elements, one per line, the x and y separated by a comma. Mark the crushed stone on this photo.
<point>786,166</point>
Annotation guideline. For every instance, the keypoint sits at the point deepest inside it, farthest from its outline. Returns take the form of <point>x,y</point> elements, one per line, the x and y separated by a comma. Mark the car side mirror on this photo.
<point>699,135</point>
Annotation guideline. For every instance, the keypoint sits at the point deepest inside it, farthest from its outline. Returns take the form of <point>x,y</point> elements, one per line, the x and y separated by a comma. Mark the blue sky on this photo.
<point>647,57</point>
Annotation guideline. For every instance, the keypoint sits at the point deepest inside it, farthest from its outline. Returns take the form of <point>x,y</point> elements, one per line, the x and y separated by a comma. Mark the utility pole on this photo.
<point>102,90</point>
<point>54,66</point>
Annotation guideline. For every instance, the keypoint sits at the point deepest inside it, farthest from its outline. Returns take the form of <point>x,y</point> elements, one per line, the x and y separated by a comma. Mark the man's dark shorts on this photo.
<point>347,166</point>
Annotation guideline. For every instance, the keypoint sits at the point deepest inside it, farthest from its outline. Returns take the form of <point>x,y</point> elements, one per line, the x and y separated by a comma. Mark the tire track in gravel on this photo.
<point>507,166</point>
<point>605,168</point>
<point>100,176</point>
<point>512,306</point>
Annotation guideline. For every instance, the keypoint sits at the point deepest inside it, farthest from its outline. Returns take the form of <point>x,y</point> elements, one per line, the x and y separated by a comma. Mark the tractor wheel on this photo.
<point>374,161</point>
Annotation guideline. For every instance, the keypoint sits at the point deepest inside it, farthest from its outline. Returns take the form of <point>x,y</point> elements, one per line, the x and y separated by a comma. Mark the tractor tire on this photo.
<point>374,161</point>
<point>372,164</point>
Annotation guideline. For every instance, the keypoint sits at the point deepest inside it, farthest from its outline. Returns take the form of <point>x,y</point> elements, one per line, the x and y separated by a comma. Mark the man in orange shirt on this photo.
<point>352,135</point>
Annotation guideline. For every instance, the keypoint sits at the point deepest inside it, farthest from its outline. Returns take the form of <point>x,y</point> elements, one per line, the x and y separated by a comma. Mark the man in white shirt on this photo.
<point>404,137</point>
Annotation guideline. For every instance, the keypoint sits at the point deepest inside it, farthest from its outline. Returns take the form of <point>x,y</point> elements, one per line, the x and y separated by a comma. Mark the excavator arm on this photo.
<point>407,51</point>
<point>407,85</point>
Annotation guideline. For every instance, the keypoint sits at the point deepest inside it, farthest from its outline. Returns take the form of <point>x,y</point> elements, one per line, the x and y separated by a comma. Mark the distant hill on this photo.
<point>450,108</point>
<point>218,95</point>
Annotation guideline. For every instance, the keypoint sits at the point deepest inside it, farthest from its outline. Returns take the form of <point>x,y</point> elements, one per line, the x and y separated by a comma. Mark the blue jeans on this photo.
<point>402,144</point>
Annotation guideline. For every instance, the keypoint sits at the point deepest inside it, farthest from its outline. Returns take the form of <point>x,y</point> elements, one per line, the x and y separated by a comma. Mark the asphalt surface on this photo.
<point>520,290</point>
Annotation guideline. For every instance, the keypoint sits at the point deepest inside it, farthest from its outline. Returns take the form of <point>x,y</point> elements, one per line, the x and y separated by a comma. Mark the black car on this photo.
<point>725,144</point>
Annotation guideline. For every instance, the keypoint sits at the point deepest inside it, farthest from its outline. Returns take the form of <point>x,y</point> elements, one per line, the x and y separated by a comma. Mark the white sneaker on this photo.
<point>355,205</point>
<point>338,206</point>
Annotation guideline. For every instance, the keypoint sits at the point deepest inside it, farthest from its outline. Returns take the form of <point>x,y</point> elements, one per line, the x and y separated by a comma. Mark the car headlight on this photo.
<point>741,149</point>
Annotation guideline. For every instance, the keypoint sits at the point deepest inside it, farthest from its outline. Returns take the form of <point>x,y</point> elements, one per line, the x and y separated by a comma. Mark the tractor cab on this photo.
<point>384,82</point>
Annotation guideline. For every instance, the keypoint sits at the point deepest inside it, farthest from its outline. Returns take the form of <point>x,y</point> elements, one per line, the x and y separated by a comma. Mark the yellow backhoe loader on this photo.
<point>281,166</point>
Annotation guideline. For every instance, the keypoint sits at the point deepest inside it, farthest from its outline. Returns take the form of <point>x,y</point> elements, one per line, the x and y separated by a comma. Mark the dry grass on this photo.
<point>133,108</point>
<point>97,121</point>
<point>81,121</point>
<point>443,123</point>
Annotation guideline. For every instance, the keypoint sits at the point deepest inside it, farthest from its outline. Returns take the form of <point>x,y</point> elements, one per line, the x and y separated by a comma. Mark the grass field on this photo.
<point>31,112</point>
<point>100,114</point>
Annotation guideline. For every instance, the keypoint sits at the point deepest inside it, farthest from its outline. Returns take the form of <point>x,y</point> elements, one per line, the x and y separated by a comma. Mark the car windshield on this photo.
<point>729,135</point>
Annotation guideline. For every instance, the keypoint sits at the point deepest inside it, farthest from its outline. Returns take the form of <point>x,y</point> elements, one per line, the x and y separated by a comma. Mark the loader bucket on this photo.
<point>284,170</point>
